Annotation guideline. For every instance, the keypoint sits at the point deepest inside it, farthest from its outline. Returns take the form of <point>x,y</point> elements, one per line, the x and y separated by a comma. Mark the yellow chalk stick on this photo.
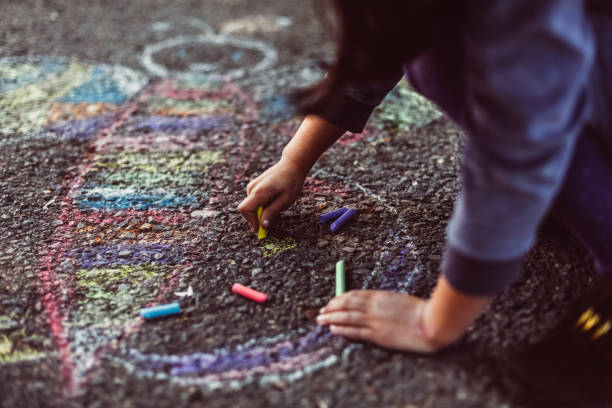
<point>262,233</point>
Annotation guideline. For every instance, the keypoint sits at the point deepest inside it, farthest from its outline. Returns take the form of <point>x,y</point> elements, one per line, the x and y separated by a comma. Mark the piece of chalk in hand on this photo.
<point>160,310</point>
<point>344,218</point>
<point>330,216</point>
<point>249,293</point>
<point>340,278</point>
<point>262,233</point>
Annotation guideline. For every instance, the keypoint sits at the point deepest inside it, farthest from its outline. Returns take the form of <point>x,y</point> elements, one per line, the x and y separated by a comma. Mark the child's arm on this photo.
<point>314,136</point>
<point>448,313</point>
<point>279,186</point>
<point>346,109</point>
<point>401,321</point>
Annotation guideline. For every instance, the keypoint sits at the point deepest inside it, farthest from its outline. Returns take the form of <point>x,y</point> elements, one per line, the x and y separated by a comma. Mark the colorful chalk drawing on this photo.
<point>125,232</point>
<point>60,97</point>
<point>405,109</point>
<point>8,355</point>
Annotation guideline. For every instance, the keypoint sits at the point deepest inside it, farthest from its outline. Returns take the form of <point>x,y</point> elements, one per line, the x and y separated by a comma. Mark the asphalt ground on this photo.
<point>120,179</point>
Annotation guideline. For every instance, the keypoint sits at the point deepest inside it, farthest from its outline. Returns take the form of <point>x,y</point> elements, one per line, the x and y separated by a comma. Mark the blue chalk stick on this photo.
<point>160,310</point>
<point>344,218</point>
<point>332,215</point>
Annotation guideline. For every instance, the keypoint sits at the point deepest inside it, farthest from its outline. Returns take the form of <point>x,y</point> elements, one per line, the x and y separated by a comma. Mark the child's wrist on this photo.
<point>432,331</point>
<point>302,167</point>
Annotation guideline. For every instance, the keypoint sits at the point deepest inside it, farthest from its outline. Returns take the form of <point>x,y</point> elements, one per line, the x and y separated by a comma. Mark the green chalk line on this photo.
<point>114,294</point>
<point>9,355</point>
<point>197,85</point>
<point>29,105</point>
<point>161,161</point>
<point>405,109</point>
<point>143,178</point>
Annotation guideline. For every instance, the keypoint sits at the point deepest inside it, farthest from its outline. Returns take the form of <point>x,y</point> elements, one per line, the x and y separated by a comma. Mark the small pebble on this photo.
<point>322,244</point>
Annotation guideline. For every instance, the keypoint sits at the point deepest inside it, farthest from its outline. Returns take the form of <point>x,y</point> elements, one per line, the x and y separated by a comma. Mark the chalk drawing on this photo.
<point>43,97</point>
<point>289,356</point>
<point>256,24</point>
<point>286,357</point>
<point>10,354</point>
<point>208,71</point>
<point>124,238</point>
<point>273,246</point>
<point>107,295</point>
<point>91,313</point>
<point>404,109</point>
<point>129,203</point>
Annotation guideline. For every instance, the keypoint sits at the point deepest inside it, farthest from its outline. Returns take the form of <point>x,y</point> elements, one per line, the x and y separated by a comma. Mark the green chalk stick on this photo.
<point>340,278</point>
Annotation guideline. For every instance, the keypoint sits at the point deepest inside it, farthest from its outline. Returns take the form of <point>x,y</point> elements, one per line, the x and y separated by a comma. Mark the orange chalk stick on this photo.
<point>249,293</point>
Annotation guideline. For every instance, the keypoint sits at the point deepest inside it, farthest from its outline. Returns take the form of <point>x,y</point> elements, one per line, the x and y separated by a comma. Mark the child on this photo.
<point>527,81</point>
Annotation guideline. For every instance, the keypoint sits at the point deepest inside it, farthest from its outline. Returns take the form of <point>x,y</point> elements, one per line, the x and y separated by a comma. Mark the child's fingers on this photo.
<point>353,332</point>
<point>249,216</point>
<point>252,184</point>
<point>258,197</point>
<point>343,318</point>
<point>248,209</point>
<point>352,300</point>
<point>255,182</point>
<point>273,210</point>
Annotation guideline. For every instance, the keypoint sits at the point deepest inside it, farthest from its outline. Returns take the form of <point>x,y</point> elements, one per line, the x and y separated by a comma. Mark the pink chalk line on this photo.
<point>169,89</point>
<point>52,256</point>
<point>56,308</point>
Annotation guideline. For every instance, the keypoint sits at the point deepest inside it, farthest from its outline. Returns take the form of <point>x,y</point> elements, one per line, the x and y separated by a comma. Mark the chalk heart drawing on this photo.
<point>124,238</point>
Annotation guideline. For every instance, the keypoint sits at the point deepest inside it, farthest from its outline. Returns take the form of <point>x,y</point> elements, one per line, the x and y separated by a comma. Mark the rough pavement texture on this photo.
<point>118,189</point>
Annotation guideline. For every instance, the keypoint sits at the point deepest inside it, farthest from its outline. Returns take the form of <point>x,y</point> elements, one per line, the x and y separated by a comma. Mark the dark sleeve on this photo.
<point>526,68</point>
<point>478,277</point>
<point>351,107</point>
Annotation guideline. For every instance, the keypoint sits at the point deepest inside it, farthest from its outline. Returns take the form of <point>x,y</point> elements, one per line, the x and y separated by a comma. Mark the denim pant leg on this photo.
<point>600,84</point>
<point>584,204</point>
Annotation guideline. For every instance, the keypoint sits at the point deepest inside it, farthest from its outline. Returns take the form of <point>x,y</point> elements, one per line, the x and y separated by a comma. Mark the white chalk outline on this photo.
<point>206,71</point>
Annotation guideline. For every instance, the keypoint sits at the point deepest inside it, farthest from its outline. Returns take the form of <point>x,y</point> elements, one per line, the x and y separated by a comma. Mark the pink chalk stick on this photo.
<point>249,293</point>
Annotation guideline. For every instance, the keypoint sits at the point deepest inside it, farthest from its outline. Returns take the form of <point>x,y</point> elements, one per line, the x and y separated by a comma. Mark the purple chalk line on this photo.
<point>247,358</point>
<point>95,256</point>
<point>83,129</point>
<point>244,359</point>
<point>170,124</point>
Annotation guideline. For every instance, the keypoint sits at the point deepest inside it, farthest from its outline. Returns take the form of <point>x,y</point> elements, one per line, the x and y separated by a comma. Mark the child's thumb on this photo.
<point>248,209</point>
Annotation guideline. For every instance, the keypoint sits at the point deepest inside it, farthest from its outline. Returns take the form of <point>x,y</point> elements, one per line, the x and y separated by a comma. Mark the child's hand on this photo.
<point>393,320</point>
<point>401,321</point>
<point>275,190</point>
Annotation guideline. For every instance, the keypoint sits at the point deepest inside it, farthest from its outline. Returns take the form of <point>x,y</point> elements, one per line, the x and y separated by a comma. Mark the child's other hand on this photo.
<point>275,190</point>
<point>393,320</point>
